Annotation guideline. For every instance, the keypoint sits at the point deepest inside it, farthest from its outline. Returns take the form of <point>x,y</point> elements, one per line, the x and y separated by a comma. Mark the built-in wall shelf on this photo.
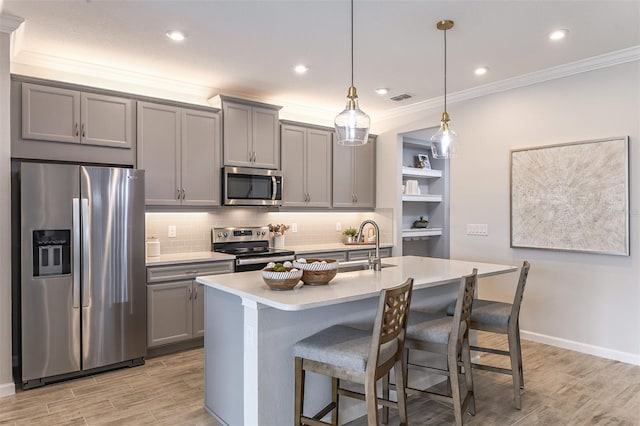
<point>423,198</point>
<point>419,234</point>
<point>421,173</point>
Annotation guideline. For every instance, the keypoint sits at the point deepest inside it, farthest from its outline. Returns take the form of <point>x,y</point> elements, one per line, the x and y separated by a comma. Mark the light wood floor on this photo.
<point>562,388</point>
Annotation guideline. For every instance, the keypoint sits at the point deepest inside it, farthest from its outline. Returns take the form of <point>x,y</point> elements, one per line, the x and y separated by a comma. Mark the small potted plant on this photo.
<point>350,233</point>
<point>422,223</point>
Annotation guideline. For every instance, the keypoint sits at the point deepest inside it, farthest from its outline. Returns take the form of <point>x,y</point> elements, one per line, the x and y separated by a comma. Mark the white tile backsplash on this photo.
<point>193,230</point>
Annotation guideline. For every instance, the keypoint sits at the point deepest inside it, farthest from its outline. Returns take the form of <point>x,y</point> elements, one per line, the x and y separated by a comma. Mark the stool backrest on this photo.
<point>517,300</point>
<point>462,313</point>
<point>390,325</point>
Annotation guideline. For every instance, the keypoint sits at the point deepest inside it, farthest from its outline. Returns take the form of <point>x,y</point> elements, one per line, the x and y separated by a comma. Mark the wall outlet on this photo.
<point>294,227</point>
<point>477,229</point>
<point>171,233</point>
<point>338,227</point>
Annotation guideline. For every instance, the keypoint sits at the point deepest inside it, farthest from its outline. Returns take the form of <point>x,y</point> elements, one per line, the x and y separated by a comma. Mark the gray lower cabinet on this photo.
<point>346,255</point>
<point>354,175</point>
<point>364,254</point>
<point>175,301</point>
<point>180,150</point>
<point>306,166</point>
<point>63,115</point>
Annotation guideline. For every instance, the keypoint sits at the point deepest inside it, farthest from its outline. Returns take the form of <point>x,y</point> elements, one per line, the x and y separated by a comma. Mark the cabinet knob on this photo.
<point>77,132</point>
<point>82,127</point>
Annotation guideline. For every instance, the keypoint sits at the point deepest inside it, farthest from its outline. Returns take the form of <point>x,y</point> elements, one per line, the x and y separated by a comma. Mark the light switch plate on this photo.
<point>294,227</point>
<point>481,229</point>
<point>172,231</point>
<point>338,227</point>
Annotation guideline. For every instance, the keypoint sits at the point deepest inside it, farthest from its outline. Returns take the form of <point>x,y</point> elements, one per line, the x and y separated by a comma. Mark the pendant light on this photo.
<point>352,124</point>
<point>443,143</point>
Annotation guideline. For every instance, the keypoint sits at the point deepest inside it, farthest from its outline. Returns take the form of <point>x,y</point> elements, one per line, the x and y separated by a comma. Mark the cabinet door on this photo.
<point>198,310</point>
<point>106,120</point>
<point>293,166</point>
<point>200,158</point>
<point>158,149</point>
<point>318,171</point>
<point>364,177</point>
<point>343,193</point>
<point>266,143</point>
<point>169,313</point>
<point>237,134</point>
<point>50,113</point>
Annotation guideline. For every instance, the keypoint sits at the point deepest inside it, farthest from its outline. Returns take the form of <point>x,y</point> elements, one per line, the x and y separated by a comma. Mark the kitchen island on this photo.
<point>250,331</point>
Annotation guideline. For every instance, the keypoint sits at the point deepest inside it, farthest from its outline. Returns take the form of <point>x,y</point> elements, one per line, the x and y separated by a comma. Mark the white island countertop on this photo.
<point>351,286</point>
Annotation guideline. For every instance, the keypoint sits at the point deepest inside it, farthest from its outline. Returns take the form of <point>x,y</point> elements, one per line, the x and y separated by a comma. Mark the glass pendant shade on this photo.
<point>443,143</point>
<point>352,124</point>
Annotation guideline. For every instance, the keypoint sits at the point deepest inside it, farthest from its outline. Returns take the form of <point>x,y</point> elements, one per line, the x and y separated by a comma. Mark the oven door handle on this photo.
<point>257,260</point>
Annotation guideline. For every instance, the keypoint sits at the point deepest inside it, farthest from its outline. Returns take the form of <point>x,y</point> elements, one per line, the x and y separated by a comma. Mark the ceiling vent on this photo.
<point>401,97</point>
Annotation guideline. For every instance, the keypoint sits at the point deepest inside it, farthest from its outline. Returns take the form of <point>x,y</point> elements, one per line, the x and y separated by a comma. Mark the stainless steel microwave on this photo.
<point>246,186</point>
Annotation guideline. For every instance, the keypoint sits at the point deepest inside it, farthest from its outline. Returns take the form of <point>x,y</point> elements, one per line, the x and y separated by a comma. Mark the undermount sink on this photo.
<point>360,267</point>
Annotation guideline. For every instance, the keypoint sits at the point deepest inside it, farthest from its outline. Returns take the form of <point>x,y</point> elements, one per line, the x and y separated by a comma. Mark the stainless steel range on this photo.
<point>249,245</point>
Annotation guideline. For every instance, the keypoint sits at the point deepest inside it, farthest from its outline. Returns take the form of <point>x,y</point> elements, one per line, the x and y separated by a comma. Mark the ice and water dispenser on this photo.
<point>51,252</point>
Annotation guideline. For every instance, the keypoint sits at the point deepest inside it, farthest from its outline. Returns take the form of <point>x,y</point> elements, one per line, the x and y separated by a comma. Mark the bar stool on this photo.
<point>347,353</point>
<point>447,336</point>
<point>502,318</point>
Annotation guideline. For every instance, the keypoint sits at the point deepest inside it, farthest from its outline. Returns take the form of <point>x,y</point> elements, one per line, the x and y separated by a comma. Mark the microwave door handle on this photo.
<point>274,187</point>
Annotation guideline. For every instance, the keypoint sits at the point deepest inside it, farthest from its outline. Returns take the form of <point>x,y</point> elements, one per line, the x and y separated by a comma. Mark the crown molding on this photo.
<point>9,23</point>
<point>585,65</point>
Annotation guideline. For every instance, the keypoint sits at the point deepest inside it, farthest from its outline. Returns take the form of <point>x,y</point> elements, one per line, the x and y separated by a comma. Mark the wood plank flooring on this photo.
<point>561,388</point>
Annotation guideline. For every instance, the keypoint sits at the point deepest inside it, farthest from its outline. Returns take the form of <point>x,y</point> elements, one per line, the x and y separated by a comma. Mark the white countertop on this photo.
<point>310,248</point>
<point>192,257</point>
<point>350,286</point>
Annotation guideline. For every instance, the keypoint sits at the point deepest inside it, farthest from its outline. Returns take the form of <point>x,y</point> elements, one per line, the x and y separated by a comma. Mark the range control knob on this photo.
<point>263,232</point>
<point>219,234</point>
<point>225,234</point>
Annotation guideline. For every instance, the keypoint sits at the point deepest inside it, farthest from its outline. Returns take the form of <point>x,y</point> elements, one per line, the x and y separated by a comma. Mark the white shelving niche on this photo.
<point>431,201</point>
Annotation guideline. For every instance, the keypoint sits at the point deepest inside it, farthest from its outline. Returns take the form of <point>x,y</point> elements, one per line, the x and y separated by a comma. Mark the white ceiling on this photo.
<point>250,47</point>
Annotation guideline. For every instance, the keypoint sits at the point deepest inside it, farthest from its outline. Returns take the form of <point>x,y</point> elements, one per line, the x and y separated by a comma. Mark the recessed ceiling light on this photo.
<point>301,69</point>
<point>558,34</point>
<point>382,91</point>
<point>176,35</point>
<point>481,70</point>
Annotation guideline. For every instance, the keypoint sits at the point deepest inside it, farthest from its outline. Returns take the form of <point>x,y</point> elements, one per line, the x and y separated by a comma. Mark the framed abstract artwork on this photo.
<point>572,197</point>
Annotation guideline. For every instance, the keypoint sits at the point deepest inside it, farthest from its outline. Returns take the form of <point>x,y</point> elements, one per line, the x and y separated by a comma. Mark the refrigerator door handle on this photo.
<point>76,253</point>
<point>86,253</point>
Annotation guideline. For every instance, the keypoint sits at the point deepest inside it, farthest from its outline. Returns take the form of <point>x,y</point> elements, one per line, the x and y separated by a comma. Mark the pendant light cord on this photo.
<point>445,70</point>
<point>351,42</point>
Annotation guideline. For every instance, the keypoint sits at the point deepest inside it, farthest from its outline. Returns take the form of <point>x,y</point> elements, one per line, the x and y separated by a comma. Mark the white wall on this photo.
<point>585,302</point>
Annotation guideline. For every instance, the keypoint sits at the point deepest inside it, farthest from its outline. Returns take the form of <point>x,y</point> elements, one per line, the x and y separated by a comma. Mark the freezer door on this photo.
<point>113,274</point>
<point>49,290</point>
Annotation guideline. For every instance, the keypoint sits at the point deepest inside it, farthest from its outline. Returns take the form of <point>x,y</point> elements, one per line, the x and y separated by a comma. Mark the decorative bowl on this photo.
<point>281,280</point>
<point>317,271</point>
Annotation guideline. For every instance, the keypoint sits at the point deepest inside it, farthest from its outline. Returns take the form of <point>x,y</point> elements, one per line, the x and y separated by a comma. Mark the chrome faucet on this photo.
<point>374,262</point>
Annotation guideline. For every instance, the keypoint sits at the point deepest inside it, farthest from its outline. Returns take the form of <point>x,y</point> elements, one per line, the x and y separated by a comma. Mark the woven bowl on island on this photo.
<point>317,271</point>
<point>281,280</point>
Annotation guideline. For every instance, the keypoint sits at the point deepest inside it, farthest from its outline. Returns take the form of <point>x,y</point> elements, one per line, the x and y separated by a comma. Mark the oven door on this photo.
<point>244,186</point>
<point>244,264</point>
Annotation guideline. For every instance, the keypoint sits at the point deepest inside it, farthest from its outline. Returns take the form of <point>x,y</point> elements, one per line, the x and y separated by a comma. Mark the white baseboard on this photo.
<point>7,389</point>
<point>626,357</point>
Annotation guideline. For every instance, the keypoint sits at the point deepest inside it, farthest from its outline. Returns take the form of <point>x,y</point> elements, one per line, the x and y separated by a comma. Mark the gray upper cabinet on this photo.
<point>63,115</point>
<point>306,166</point>
<point>180,150</point>
<point>354,175</point>
<point>250,133</point>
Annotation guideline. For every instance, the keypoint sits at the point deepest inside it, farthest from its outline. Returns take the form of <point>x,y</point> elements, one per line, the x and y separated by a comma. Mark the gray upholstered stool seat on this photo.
<point>341,346</point>
<point>429,327</point>
<point>487,312</point>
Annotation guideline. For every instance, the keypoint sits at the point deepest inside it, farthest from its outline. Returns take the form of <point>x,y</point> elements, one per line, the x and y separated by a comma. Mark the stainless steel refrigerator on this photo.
<point>82,276</point>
